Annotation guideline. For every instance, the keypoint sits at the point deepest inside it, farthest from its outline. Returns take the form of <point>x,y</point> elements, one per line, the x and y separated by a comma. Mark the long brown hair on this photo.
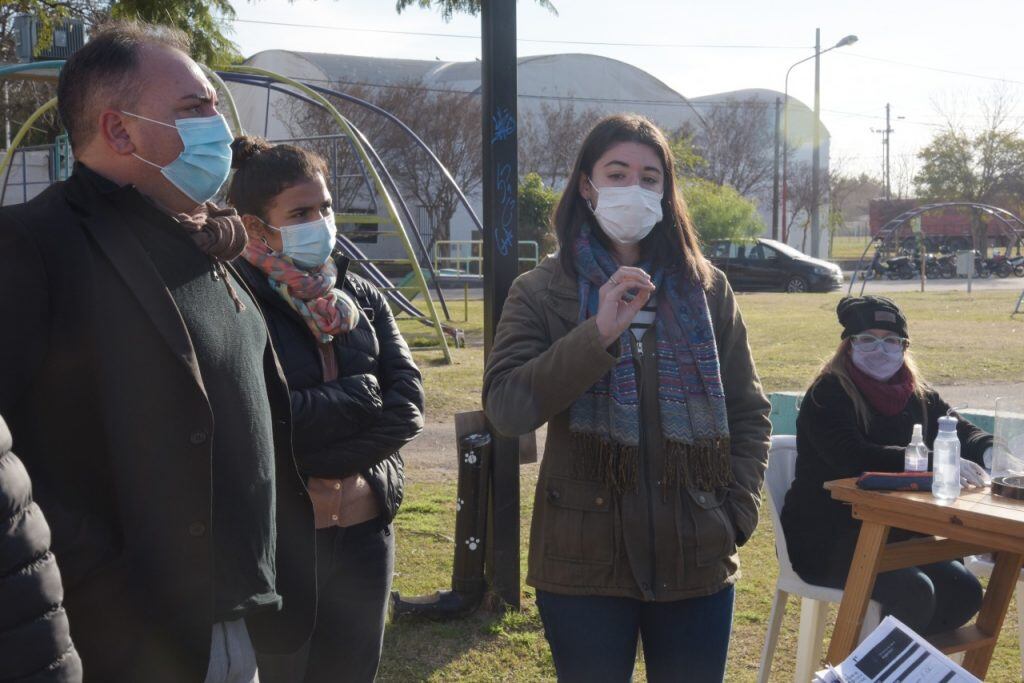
<point>672,242</point>
<point>836,366</point>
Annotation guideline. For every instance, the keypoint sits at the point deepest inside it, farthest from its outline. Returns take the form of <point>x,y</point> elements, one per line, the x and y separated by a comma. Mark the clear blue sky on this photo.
<point>980,38</point>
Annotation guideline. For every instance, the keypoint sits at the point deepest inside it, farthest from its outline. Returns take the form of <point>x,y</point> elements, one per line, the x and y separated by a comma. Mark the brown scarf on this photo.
<point>220,234</point>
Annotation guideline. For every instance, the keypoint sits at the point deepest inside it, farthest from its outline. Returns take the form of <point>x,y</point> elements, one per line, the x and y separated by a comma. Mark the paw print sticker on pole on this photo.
<point>473,542</point>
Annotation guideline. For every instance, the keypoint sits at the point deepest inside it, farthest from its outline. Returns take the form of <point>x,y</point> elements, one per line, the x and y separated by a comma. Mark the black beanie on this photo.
<point>857,314</point>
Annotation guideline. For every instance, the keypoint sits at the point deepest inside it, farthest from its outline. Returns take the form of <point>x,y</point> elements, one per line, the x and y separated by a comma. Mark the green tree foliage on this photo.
<point>720,212</point>
<point>197,18</point>
<point>536,204</point>
<point>985,165</point>
<point>205,21</point>
<point>449,8</point>
<point>688,159</point>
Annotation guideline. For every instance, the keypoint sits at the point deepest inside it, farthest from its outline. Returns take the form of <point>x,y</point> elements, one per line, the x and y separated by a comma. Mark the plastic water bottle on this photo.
<point>946,462</point>
<point>915,458</point>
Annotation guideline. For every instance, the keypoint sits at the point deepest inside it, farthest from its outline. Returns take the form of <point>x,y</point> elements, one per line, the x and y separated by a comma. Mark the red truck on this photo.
<point>949,227</point>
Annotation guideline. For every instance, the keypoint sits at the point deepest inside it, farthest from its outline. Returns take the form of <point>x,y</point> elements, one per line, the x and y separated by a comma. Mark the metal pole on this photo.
<point>816,150</point>
<point>889,187</point>
<point>775,175</point>
<point>500,266</point>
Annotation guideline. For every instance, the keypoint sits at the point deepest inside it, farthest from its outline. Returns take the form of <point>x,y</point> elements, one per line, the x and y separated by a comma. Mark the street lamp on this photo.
<point>847,40</point>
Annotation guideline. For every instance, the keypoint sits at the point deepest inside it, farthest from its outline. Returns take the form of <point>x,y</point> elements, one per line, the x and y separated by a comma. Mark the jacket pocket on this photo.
<point>578,524</point>
<point>713,533</point>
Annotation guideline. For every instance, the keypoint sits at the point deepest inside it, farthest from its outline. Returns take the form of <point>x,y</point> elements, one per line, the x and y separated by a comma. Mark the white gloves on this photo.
<point>972,475</point>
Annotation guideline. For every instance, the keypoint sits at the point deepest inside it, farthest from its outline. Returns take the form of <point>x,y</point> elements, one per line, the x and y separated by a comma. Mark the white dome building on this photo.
<point>588,81</point>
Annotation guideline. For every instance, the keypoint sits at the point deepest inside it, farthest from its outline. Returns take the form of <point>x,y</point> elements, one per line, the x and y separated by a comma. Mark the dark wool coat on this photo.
<point>100,385</point>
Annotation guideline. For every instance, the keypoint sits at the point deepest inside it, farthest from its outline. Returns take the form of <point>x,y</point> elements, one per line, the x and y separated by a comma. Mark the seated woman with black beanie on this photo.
<point>858,416</point>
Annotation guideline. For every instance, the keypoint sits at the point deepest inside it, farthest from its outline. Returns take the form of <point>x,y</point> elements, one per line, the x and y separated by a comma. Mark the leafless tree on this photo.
<point>448,121</point>
<point>738,145</point>
<point>550,139</point>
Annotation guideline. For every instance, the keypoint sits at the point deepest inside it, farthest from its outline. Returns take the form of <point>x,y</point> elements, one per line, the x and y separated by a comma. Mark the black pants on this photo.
<point>354,570</point>
<point>929,599</point>
<point>593,638</point>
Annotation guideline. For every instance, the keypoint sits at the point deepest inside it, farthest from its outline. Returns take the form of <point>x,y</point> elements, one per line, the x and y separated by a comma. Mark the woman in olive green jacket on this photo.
<point>631,347</point>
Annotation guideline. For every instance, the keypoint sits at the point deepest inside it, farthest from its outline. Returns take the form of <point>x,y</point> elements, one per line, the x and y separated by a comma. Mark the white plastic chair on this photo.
<point>981,566</point>
<point>814,599</point>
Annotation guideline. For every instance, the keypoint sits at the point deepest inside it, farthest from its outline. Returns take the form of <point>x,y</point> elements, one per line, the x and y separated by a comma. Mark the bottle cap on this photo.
<point>947,424</point>
<point>918,435</point>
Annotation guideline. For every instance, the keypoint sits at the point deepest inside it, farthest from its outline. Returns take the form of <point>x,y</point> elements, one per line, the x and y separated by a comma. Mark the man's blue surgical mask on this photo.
<point>204,163</point>
<point>310,244</point>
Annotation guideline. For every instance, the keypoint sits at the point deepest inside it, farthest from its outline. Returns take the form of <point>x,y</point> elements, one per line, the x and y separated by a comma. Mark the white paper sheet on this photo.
<point>893,653</point>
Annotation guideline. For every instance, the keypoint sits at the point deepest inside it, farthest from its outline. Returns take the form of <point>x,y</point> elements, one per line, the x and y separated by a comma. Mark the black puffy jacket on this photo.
<point>358,422</point>
<point>35,639</point>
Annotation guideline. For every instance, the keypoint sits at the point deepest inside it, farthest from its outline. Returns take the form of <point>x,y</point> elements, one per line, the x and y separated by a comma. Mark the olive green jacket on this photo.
<point>652,543</point>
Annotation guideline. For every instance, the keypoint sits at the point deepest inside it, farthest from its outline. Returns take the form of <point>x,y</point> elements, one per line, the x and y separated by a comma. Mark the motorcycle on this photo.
<point>1018,265</point>
<point>900,268</point>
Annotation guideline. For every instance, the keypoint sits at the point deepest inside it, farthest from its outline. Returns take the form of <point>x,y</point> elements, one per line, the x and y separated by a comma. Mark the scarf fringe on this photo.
<point>705,466</point>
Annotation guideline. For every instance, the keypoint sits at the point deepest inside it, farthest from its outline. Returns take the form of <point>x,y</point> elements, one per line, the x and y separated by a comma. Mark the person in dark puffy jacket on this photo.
<point>35,639</point>
<point>357,398</point>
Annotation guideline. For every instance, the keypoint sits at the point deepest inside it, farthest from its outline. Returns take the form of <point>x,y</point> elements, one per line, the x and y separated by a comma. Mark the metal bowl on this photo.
<point>1009,487</point>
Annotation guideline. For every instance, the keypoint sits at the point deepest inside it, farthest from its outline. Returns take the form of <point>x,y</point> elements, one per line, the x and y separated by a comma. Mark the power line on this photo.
<point>703,46</point>
<point>931,68</point>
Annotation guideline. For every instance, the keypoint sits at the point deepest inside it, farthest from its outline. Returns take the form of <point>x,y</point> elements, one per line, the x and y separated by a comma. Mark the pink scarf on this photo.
<point>326,310</point>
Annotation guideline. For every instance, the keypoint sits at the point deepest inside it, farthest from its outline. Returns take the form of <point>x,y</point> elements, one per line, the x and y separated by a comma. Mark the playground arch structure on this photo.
<point>387,206</point>
<point>897,233</point>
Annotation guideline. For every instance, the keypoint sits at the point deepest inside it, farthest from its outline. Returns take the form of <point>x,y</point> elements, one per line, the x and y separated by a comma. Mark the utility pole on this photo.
<point>816,152</point>
<point>500,266</point>
<point>775,179</point>
<point>886,132</point>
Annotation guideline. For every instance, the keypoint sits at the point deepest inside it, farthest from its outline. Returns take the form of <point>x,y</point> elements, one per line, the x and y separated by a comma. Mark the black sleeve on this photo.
<point>974,441</point>
<point>333,410</point>
<point>401,418</point>
<point>827,421</point>
<point>24,310</point>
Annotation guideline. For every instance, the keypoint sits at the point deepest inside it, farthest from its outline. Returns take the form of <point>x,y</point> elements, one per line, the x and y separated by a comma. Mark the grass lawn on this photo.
<point>511,647</point>
<point>958,339</point>
<point>847,247</point>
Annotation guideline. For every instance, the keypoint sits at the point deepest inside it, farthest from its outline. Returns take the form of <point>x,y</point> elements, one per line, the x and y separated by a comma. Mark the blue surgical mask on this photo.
<point>204,163</point>
<point>310,244</point>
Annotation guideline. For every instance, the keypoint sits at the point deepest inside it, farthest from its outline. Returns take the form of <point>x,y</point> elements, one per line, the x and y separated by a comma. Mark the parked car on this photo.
<point>763,264</point>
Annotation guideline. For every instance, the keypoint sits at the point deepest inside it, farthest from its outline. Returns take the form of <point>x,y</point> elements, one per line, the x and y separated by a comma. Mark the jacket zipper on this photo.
<point>638,362</point>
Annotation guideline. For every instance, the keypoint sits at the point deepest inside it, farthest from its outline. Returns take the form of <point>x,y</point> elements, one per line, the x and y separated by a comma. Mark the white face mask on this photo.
<point>877,364</point>
<point>626,214</point>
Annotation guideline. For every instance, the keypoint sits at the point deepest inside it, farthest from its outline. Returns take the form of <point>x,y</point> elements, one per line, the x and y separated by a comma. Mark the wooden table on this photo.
<point>977,522</point>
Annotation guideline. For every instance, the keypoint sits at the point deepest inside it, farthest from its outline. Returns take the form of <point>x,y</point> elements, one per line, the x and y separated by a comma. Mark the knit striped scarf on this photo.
<point>605,420</point>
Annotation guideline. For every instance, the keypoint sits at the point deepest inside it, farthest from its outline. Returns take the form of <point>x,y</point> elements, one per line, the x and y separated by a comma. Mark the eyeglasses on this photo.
<point>869,342</point>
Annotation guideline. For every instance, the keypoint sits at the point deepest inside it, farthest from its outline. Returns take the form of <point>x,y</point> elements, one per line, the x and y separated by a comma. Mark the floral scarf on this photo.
<point>311,293</point>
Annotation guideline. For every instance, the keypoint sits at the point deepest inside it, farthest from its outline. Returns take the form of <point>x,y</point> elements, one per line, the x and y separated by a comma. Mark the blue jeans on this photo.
<point>594,638</point>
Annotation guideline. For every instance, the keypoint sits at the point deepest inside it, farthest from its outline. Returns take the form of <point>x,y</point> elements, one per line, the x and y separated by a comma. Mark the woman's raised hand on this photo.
<point>614,311</point>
